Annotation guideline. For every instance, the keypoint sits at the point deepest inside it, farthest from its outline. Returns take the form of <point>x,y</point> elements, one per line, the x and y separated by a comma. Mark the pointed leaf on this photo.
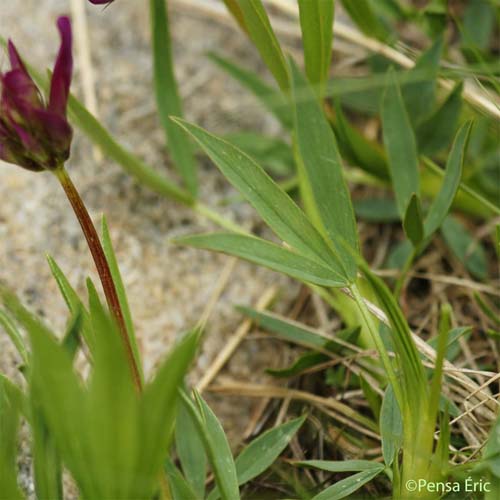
<point>14,335</point>
<point>268,254</point>
<point>180,488</point>
<point>167,96</point>
<point>413,223</point>
<point>391,427</point>
<point>365,18</point>
<point>341,466</point>
<point>323,168</point>
<point>401,146</point>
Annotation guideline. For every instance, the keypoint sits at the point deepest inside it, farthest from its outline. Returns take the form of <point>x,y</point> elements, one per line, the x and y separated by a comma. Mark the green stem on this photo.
<point>374,332</point>
<point>102,266</point>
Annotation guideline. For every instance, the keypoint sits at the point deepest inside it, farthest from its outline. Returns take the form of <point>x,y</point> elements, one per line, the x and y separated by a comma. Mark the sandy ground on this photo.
<point>168,286</point>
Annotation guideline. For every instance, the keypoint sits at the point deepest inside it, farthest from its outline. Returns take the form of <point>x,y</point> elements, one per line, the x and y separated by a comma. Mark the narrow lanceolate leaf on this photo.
<point>277,209</point>
<point>364,17</point>
<point>263,37</point>
<point>451,181</point>
<point>419,93</point>
<point>400,144</point>
<point>316,22</point>
<point>216,446</point>
<point>436,132</point>
<point>413,223</point>
<point>167,96</point>
<point>267,254</point>
<point>235,10</point>
<point>340,466</point>
<point>120,290</point>
<point>345,487</point>
<point>323,169</point>
<point>14,335</point>
<point>179,486</point>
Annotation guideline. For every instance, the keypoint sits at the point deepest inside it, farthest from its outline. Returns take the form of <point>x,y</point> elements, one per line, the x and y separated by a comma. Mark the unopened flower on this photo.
<point>100,2</point>
<point>34,132</point>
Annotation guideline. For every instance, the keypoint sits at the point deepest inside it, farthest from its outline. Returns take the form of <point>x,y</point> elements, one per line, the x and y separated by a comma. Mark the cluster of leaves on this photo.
<point>421,128</point>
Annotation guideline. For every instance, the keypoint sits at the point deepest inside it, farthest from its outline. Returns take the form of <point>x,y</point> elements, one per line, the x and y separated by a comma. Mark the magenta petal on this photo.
<point>17,82</point>
<point>15,60</point>
<point>63,69</point>
<point>100,2</point>
<point>56,128</point>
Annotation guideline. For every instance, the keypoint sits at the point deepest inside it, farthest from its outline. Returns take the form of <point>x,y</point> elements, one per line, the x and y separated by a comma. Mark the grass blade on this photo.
<point>261,33</point>
<point>120,290</point>
<point>180,488</point>
<point>316,22</point>
<point>454,166</point>
<point>323,169</point>
<point>15,336</point>
<point>277,209</point>
<point>391,427</point>
<point>400,143</point>
<point>267,254</point>
<point>167,96</point>
<point>341,466</point>
<point>362,14</point>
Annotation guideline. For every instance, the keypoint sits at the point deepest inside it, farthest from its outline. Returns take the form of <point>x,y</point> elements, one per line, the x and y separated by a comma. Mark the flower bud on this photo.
<point>35,134</point>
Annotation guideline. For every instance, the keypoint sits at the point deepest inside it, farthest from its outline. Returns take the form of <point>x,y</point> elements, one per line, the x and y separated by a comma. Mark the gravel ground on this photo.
<point>168,286</point>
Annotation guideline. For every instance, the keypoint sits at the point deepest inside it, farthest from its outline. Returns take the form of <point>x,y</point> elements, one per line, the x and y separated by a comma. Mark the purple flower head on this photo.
<point>35,134</point>
<point>100,2</point>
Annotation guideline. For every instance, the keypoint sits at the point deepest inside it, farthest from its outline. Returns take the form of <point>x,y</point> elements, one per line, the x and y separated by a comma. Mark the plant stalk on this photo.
<point>102,266</point>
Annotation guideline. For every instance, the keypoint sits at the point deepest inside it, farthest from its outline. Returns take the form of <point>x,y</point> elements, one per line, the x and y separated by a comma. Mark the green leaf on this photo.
<point>235,11</point>
<point>391,427</point>
<point>14,335</point>
<point>302,363</point>
<point>341,466</point>
<point>271,98</point>
<point>436,132</point>
<point>277,209</point>
<point>376,210</point>
<point>189,447</point>
<point>216,446</point>
<point>467,250</point>
<point>454,166</point>
<point>323,169</point>
<point>364,153</point>
<point>75,305</point>
<point>120,290</point>
<point>362,14</point>
<point>479,24</point>
<point>268,254</point>
<point>10,409</point>
<point>491,454</point>
<point>180,488</point>
<point>167,96</point>
<point>413,223</point>
<point>401,146</point>
<point>262,35</point>
<point>262,452</point>
<point>316,22</point>
<point>419,95</point>
<point>345,487</point>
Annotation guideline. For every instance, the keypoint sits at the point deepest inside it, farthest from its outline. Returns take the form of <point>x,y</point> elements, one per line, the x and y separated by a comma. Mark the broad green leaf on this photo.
<point>179,487</point>
<point>262,452</point>
<point>277,209</point>
<point>454,166</point>
<point>267,254</point>
<point>364,17</point>
<point>419,95</point>
<point>261,33</point>
<point>10,409</point>
<point>345,487</point>
<point>14,335</point>
<point>436,132</point>
<point>376,209</point>
<point>120,290</point>
<point>270,97</point>
<point>364,153</point>
<point>413,223</point>
<point>316,22</point>
<point>318,151</point>
<point>167,95</point>
<point>216,446</point>
<point>468,251</point>
<point>400,144</point>
<point>341,466</point>
<point>189,447</point>
<point>391,427</point>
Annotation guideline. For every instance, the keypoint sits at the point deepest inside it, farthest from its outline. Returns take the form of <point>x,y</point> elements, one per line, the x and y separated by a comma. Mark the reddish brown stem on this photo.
<point>102,266</point>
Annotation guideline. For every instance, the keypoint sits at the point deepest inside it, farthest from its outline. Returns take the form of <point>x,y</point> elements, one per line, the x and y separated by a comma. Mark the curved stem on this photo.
<point>102,266</point>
